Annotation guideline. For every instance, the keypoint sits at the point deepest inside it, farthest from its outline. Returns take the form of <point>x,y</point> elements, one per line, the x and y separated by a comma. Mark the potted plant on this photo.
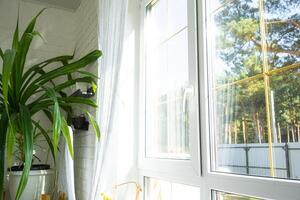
<point>18,86</point>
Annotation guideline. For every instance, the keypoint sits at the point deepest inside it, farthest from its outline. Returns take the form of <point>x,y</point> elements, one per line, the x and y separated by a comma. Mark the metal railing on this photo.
<point>285,147</point>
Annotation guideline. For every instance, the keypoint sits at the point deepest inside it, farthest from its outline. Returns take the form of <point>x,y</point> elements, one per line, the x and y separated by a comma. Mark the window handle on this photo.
<point>188,91</point>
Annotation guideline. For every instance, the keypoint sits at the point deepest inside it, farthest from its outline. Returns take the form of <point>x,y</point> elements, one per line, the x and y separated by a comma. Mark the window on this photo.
<point>225,71</point>
<point>170,81</point>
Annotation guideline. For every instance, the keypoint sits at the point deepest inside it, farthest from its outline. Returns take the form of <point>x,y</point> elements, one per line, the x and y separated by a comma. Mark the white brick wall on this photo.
<point>84,142</point>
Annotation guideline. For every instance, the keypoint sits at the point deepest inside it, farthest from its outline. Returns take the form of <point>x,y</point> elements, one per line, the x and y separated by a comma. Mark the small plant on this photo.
<point>17,105</point>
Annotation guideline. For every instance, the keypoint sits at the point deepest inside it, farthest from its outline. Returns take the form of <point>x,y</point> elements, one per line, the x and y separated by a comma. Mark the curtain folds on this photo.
<point>112,14</point>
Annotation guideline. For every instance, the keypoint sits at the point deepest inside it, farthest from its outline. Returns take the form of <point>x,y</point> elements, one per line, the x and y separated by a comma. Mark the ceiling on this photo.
<point>69,4</point>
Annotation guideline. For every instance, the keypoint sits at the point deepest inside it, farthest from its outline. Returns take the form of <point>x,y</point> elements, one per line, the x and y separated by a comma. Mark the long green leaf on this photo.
<point>62,86</point>
<point>78,100</point>
<point>1,53</point>
<point>73,82</point>
<point>65,70</point>
<point>34,70</point>
<point>24,45</point>
<point>94,124</point>
<point>57,119</point>
<point>56,126</point>
<point>61,71</point>
<point>3,131</point>
<point>67,136</point>
<point>46,136</point>
<point>88,74</point>
<point>15,46</point>
<point>10,140</point>
<point>8,60</point>
<point>43,105</point>
<point>26,41</point>
<point>26,128</point>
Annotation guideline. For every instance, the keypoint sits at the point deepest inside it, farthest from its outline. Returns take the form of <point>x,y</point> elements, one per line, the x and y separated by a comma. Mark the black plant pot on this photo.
<point>33,167</point>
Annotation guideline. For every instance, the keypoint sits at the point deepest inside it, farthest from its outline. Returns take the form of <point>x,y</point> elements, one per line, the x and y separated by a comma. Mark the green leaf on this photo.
<point>10,140</point>
<point>56,118</point>
<point>78,100</point>
<point>94,124</point>
<point>3,131</point>
<point>46,136</point>
<point>35,69</point>
<point>1,53</point>
<point>65,70</point>
<point>8,60</point>
<point>36,33</point>
<point>67,136</point>
<point>24,45</point>
<point>15,44</point>
<point>56,126</point>
<point>61,71</point>
<point>25,128</point>
<point>73,82</point>
<point>88,74</point>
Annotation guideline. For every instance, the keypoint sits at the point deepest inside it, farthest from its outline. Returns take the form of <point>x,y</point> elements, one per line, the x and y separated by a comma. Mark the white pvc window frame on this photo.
<point>192,172</point>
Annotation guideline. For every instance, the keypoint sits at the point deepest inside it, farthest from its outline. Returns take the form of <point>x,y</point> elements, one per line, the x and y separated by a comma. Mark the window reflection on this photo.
<point>255,65</point>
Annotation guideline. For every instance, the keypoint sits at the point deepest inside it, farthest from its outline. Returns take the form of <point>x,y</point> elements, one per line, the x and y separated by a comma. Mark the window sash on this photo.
<point>189,167</point>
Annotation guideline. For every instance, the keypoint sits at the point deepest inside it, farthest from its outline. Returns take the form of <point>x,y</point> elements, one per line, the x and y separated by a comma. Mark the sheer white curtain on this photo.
<point>112,14</point>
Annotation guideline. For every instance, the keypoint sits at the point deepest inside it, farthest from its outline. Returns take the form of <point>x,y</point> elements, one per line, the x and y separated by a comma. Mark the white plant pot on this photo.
<point>39,182</point>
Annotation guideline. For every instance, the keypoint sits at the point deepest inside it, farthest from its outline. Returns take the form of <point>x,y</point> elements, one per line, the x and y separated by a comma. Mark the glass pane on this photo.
<point>255,65</point>
<point>168,86</point>
<point>234,54</point>
<point>283,29</point>
<point>227,196</point>
<point>285,95</point>
<point>177,15</point>
<point>157,23</point>
<point>158,189</point>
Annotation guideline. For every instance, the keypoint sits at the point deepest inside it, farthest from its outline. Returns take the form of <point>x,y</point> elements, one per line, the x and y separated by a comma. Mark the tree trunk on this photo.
<point>298,132</point>
<point>229,134</point>
<point>244,130</point>
<point>258,128</point>
<point>287,133</point>
<point>279,132</point>
<point>226,125</point>
<point>226,134</point>
<point>235,133</point>
<point>293,134</point>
